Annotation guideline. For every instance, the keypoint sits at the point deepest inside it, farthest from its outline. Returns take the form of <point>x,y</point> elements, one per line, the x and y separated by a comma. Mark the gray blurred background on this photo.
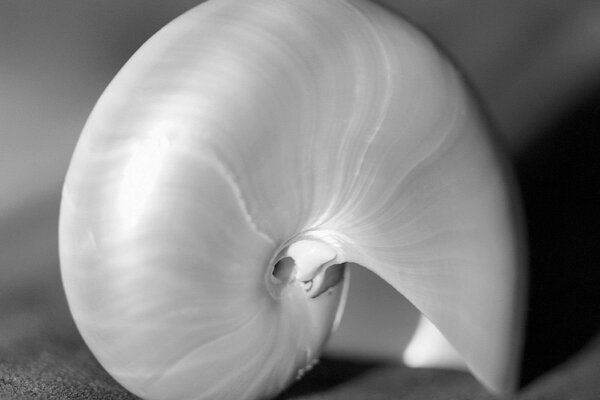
<point>531,61</point>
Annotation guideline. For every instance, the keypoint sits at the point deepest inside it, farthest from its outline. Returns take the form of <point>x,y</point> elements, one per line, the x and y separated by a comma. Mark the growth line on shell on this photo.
<point>231,179</point>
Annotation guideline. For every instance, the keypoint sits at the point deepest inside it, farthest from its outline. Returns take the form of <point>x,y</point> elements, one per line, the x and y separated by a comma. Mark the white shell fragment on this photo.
<point>241,157</point>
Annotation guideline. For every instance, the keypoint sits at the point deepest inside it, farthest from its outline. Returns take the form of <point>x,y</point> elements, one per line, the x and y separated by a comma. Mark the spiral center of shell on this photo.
<point>308,263</point>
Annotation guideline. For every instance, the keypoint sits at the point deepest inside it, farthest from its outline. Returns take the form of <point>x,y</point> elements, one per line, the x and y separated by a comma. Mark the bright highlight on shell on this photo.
<point>242,158</point>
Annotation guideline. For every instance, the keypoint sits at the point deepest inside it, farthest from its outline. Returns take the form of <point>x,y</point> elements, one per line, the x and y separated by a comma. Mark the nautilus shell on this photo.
<point>242,158</point>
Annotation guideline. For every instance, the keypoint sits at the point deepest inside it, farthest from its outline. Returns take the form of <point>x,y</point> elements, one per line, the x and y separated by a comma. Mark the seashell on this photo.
<point>242,158</point>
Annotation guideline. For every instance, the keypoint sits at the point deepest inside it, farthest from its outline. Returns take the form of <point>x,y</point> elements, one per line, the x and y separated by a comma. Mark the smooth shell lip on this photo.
<point>329,117</point>
<point>311,258</point>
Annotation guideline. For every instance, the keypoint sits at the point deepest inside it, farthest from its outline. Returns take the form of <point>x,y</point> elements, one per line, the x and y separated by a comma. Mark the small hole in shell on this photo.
<point>283,271</point>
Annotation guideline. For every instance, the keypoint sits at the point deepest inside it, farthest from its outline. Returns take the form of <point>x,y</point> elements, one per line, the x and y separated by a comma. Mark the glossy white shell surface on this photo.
<point>242,127</point>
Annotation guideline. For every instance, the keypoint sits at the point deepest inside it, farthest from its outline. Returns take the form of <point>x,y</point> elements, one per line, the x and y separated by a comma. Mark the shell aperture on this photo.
<point>247,152</point>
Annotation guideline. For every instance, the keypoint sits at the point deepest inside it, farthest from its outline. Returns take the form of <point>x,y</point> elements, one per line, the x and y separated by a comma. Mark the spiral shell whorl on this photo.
<point>241,128</point>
